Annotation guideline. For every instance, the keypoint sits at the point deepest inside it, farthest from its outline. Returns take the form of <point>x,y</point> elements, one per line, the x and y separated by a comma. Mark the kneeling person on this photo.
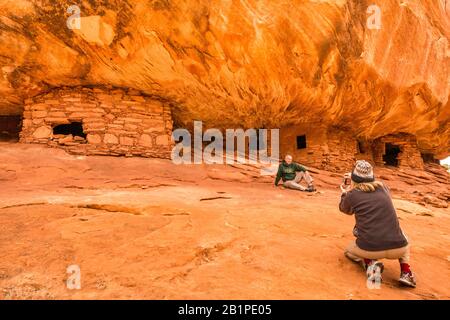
<point>378,233</point>
<point>292,174</point>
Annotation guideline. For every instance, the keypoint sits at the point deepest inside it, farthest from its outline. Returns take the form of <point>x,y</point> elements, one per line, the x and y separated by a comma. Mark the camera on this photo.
<point>347,179</point>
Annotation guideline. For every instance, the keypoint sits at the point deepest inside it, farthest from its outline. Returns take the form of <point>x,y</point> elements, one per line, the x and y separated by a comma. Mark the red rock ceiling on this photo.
<point>245,62</point>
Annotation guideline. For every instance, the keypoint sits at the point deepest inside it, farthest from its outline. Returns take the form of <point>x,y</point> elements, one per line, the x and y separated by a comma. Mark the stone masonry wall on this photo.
<point>327,148</point>
<point>115,121</point>
<point>342,151</point>
<point>409,155</point>
<point>315,140</point>
<point>335,149</point>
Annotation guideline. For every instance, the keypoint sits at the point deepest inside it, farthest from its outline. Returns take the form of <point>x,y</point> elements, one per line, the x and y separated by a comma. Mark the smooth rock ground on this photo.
<point>145,228</point>
<point>247,63</point>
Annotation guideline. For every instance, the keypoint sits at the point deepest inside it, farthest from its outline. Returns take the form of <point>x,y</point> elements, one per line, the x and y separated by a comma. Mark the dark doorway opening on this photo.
<point>361,147</point>
<point>74,128</point>
<point>10,128</point>
<point>390,157</point>
<point>429,158</point>
<point>301,142</point>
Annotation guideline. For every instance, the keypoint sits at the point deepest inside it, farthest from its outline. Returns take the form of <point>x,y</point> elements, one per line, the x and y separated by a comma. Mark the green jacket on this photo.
<point>288,171</point>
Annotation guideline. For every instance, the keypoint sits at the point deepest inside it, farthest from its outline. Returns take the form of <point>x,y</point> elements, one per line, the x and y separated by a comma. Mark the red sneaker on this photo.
<point>407,279</point>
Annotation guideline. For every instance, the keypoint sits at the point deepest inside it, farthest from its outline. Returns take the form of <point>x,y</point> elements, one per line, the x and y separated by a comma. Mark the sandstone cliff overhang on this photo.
<point>250,64</point>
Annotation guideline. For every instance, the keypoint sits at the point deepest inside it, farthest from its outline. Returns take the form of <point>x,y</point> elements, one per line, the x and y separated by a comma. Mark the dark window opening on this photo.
<point>10,128</point>
<point>301,142</point>
<point>360,147</point>
<point>429,158</point>
<point>391,154</point>
<point>74,128</point>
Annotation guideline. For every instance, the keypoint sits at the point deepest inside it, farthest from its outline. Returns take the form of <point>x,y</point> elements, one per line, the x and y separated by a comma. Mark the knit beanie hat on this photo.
<point>363,172</point>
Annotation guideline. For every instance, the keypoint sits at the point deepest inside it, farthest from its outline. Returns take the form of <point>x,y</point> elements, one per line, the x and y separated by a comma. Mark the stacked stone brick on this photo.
<point>335,149</point>
<point>409,155</point>
<point>126,122</point>
<point>115,121</point>
<point>327,148</point>
<point>342,151</point>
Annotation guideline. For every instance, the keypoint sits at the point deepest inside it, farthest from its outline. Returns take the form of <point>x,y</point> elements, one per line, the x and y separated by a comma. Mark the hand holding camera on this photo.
<point>345,186</point>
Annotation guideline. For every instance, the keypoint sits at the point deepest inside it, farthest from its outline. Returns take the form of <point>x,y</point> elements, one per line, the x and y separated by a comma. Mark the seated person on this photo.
<point>292,174</point>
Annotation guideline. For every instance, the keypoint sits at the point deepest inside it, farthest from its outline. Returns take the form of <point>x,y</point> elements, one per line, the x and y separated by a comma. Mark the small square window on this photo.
<point>73,128</point>
<point>301,142</point>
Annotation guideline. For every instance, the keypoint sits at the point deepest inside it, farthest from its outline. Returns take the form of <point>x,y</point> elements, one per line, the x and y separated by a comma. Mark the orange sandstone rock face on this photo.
<point>243,63</point>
